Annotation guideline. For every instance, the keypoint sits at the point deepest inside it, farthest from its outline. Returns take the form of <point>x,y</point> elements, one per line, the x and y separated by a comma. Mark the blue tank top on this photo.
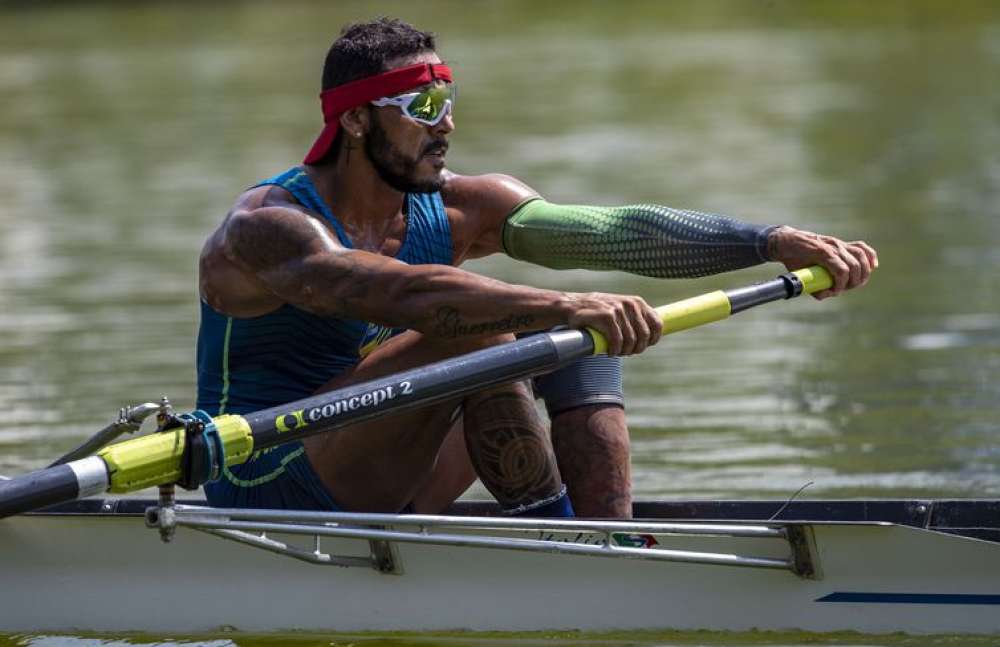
<point>246,364</point>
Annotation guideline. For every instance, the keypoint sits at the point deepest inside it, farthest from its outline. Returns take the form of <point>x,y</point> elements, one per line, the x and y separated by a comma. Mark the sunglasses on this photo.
<point>427,106</point>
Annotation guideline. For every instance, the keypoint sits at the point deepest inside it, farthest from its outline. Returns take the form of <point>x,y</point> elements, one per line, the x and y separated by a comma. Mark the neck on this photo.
<point>351,186</point>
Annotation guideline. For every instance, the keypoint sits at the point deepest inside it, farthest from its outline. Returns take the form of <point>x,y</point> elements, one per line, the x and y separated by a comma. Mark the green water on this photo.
<point>127,129</point>
<point>550,639</point>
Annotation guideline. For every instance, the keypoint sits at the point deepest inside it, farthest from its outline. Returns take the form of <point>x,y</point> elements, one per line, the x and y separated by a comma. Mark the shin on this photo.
<point>512,453</point>
<point>592,446</point>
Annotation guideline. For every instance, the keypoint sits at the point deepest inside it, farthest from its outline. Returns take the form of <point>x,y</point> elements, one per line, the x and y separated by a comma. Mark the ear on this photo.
<point>355,121</point>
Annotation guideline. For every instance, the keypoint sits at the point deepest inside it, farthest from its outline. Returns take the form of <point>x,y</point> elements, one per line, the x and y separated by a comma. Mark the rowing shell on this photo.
<point>868,566</point>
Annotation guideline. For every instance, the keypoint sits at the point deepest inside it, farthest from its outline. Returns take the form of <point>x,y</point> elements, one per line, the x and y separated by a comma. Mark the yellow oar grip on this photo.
<point>600,343</point>
<point>695,311</point>
<point>155,459</point>
<point>681,315</point>
<point>814,279</point>
<point>714,306</point>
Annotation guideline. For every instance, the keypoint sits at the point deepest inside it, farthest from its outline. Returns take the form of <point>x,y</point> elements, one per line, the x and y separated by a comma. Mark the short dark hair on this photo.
<point>366,48</point>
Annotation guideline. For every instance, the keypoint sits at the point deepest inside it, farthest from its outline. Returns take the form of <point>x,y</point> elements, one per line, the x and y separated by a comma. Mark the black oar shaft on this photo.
<point>36,489</point>
<point>52,485</point>
<point>418,387</point>
<point>785,286</point>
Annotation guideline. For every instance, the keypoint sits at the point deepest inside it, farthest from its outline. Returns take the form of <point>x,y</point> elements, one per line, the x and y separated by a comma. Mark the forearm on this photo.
<point>649,240</point>
<point>437,300</point>
<point>295,259</point>
<point>449,303</point>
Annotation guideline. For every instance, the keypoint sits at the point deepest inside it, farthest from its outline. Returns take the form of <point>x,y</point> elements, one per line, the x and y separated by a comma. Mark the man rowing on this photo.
<point>345,268</point>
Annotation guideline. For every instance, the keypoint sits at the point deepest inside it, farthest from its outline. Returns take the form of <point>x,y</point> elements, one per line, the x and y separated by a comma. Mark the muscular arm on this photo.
<point>297,260</point>
<point>501,214</point>
<point>645,239</point>
<point>496,213</point>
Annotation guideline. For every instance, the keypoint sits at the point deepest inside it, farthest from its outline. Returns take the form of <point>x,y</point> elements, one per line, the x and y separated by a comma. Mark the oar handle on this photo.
<point>718,305</point>
<point>814,279</point>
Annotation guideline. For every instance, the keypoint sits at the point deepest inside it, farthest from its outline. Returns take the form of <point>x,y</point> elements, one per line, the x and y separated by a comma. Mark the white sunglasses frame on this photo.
<point>402,101</point>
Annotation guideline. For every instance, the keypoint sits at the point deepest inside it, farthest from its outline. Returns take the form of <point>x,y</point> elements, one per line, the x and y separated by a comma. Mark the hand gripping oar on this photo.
<point>156,459</point>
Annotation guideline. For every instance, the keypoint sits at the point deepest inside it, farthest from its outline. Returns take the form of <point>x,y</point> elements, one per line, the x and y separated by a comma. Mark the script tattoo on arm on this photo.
<point>509,446</point>
<point>449,324</point>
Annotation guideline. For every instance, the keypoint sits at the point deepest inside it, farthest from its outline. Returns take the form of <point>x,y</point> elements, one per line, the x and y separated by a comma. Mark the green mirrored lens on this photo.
<point>430,103</point>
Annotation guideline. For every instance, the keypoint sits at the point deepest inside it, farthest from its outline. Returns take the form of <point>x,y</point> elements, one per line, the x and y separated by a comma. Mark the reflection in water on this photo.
<point>123,143</point>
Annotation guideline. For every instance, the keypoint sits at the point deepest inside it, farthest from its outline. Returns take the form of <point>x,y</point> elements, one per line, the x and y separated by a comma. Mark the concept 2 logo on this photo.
<point>300,418</point>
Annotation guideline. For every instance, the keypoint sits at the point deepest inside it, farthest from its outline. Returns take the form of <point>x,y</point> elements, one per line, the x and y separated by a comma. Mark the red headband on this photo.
<point>336,101</point>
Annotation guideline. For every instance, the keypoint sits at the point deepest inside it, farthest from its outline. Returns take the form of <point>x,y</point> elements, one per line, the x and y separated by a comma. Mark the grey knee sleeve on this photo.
<point>589,381</point>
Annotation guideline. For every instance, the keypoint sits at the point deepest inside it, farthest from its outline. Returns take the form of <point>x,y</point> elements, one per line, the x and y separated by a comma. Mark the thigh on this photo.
<point>450,477</point>
<point>278,478</point>
<point>382,464</point>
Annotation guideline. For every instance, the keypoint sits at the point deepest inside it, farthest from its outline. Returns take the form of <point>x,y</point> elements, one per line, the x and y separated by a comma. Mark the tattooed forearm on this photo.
<point>509,447</point>
<point>449,324</point>
<point>295,257</point>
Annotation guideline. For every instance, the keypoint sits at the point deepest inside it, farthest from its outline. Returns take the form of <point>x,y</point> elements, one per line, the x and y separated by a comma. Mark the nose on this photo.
<point>447,124</point>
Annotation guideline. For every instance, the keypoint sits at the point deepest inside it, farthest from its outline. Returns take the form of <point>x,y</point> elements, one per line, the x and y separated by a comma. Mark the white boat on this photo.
<point>93,565</point>
<point>875,566</point>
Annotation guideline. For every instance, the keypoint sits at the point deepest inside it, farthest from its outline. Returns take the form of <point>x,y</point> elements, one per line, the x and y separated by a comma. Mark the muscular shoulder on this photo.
<point>493,193</point>
<point>266,221</point>
<point>265,230</point>
<point>477,206</point>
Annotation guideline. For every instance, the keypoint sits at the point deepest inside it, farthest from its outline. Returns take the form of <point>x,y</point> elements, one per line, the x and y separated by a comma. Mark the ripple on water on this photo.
<point>959,330</point>
<point>937,341</point>
<point>509,639</point>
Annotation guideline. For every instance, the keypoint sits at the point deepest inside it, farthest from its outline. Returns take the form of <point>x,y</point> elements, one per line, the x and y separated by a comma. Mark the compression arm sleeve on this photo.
<point>642,239</point>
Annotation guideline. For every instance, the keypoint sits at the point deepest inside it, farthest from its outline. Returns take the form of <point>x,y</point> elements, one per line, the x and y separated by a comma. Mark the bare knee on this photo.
<point>603,425</point>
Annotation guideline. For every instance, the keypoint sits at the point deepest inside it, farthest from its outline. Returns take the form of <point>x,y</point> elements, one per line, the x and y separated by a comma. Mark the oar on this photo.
<point>156,459</point>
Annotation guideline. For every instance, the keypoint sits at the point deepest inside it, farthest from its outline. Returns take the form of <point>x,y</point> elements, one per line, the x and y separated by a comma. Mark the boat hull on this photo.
<point>109,572</point>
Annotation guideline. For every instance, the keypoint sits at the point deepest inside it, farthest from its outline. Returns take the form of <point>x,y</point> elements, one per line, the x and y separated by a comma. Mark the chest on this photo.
<point>385,240</point>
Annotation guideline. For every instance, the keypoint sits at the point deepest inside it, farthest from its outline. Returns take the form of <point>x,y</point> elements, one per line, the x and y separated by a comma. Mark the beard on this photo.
<point>397,169</point>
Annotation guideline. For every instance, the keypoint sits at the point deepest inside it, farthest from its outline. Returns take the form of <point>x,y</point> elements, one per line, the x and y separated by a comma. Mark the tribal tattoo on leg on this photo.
<point>510,446</point>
